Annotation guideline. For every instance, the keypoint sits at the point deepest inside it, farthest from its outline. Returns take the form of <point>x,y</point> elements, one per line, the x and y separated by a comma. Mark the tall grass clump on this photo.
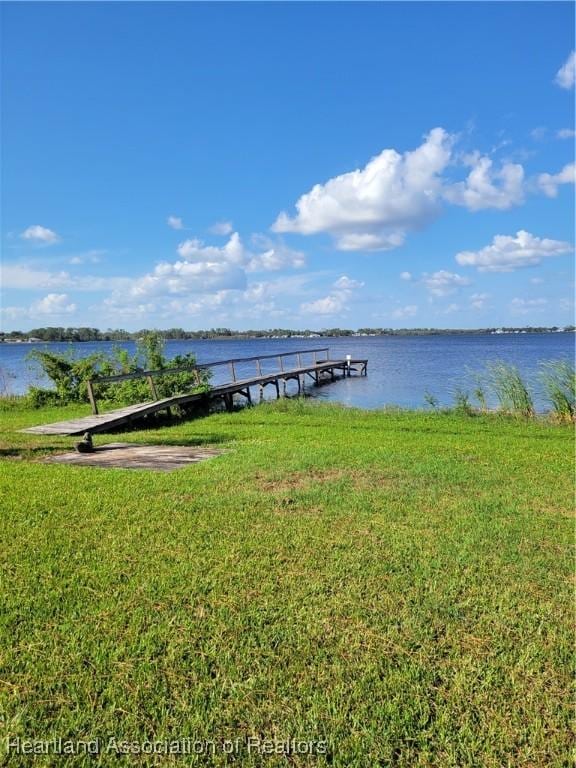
<point>431,400</point>
<point>559,382</point>
<point>510,389</point>
<point>462,402</point>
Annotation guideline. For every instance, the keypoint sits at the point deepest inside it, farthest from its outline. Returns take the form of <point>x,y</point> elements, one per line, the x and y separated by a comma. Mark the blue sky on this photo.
<point>302,165</point>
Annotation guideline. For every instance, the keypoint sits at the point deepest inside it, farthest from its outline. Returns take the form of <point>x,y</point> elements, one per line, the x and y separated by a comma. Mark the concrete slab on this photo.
<point>161,458</point>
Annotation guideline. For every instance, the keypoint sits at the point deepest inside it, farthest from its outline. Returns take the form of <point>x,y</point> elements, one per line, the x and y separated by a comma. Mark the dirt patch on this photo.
<point>298,480</point>
<point>161,458</point>
<point>295,481</point>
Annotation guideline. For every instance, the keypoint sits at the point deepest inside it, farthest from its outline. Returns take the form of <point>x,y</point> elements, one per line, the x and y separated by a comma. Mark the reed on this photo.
<point>510,389</point>
<point>462,402</point>
<point>559,383</point>
<point>431,400</point>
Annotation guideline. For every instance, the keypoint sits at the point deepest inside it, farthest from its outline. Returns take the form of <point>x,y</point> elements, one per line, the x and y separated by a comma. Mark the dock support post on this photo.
<point>92,398</point>
<point>228,401</point>
<point>277,389</point>
<point>152,386</point>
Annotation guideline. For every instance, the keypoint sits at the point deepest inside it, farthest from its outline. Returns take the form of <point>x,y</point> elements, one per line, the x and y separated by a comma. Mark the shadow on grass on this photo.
<point>28,452</point>
<point>148,438</point>
<point>210,439</point>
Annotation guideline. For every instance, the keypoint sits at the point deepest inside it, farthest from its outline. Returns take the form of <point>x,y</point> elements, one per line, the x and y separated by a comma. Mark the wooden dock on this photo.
<point>317,370</point>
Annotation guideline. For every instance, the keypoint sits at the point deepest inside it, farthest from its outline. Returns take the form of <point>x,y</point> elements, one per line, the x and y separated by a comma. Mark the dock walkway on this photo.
<point>316,369</point>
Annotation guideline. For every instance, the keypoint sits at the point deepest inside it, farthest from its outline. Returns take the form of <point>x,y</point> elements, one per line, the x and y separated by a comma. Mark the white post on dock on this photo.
<point>348,363</point>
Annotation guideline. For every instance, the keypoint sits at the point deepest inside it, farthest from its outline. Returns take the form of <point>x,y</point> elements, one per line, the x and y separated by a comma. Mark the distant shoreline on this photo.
<point>58,334</point>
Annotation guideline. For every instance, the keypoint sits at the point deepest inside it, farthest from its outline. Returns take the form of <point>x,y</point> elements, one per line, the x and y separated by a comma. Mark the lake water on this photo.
<point>401,369</point>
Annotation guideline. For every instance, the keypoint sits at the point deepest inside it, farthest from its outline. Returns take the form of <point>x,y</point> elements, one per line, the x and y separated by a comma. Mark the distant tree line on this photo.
<point>51,334</point>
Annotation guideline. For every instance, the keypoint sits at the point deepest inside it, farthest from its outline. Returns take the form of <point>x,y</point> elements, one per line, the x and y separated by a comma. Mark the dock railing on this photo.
<point>195,369</point>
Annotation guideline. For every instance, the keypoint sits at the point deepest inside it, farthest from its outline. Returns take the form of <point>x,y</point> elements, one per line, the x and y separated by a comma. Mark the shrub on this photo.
<point>70,375</point>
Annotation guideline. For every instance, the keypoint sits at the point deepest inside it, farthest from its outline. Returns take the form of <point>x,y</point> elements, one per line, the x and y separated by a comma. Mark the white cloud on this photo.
<point>90,257</point>
<point>53,304</point>
<point>224,306</point>
<point>38,234</point>
<point>346,283</point>
<point>273,256</point>
<point>329,305</point>
<point>406,276</point>
<point>222,228</point>
<point>527,306</point>
<point>366,242</point>
<point>337,301</point>
<point>204,271</point>
<point>373,208</point>
<point>549,183</point>
<point>408,311</point>
<point>114,308</point>
<point>14,313</point>
<point>185,277</point>
<point>232,252</point>
<point>443,283</point>
<point>488,188</point>
<point>23,277</point>
<point>538,133</point>
<point>270,255</point>
<point>293,286</point>
<point>507,253</point>
<point>567,72</point>
<point>175,222</point>
<point>536,280</point>
<point>566,133</point>
<point>478,300</point>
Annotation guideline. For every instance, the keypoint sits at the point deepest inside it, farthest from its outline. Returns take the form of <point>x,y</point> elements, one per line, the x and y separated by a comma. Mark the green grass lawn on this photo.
<point>398,585</point>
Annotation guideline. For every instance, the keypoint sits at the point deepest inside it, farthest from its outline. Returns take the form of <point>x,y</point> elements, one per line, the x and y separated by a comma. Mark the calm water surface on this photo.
<point>400,369</point>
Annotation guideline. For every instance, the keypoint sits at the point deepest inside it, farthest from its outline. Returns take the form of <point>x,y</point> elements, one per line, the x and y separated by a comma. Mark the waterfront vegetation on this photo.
<point>70,373</point>
<point>58,334</point>
<point>397,583</point>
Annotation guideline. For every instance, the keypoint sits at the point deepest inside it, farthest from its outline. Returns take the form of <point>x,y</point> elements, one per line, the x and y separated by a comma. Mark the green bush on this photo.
<point>70,375</point>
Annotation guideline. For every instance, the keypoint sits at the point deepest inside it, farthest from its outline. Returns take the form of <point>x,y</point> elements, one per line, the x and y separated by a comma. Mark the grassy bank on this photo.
<point>398,585</point>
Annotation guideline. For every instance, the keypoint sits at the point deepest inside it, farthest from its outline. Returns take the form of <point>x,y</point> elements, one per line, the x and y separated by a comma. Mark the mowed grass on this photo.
<point>397,584</point>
